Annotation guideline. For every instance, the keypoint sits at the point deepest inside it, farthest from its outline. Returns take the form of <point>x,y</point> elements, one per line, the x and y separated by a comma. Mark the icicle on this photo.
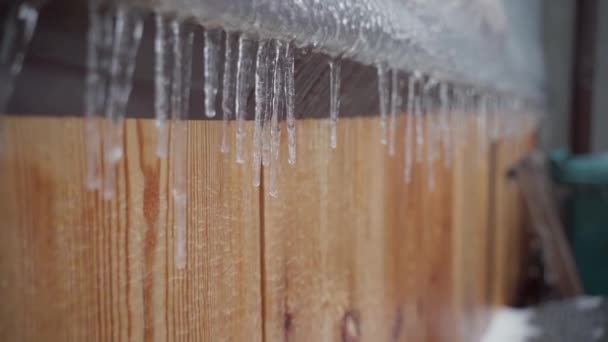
<point>275,131</point>
<point>211,56</point>
<point>395,107</point>
<point>94,97</point>
<point>128,27</point>
<point>289,103</point>
<point>335,67</point>
<point>261,85</point>
<point>430,133</point>
<point>18,31</point>
<point>270,94</point>
<point>418,115</point>
<point>445,124</point>
<point>228,88</point>
<point>244,72</point>
<point>162,82</point>
<point>408,137</point>
<point>383,99</point>
<point>180,99</point>
<point>482,116</point>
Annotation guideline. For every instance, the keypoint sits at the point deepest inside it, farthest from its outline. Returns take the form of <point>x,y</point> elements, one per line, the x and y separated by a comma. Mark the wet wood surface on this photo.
<point>348,251</point>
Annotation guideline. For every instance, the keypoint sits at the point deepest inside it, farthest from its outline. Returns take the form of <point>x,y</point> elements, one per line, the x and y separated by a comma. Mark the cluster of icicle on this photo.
<point>267,68</point>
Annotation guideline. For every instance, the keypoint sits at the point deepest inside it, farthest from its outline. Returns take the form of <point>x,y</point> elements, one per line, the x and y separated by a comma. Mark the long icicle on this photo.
<point>162,82</point>
<point>430,133</point>
<point>445,124</point>
<point>95,97</point>
<point>290,103</point>
<point>180,99</point>
<point>383,99</point>
<point>211,60</point>
<point>408,137</point>
<point>228,89</point>
<point>395,107</point>
<point>128,28</point>
<point>335,67</point>
<point>261,83</point>
<point>275,130</point>
<point>244,75</point>
<point>270,94</point>
<point>418,115</point>
<point>18,31</point>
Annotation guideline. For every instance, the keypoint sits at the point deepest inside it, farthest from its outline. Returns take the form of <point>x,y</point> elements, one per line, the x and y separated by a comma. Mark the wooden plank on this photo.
<point>76,267</point>
<point>348,251</point>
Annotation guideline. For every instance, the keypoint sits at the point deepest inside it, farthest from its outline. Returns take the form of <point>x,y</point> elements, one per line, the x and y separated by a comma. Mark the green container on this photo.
<point>587,214</point>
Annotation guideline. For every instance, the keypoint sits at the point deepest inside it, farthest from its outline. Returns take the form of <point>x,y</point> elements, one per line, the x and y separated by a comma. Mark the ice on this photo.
<point>445,124</point>
<point>431,126</point>
<point>94,96</point>
<point>127,31</point>
<point>18,31</point>
<point>408,136</point>
<point>244,82</point>
<point>275,130</point>
<point>261,98</point>
<point>383,100</point>
<point>180,98</point>
<point>228,88</point>
<point>270,95</point>
<point>162,81</point>
<point>211,60</point>
<point>395,107</point>
<point>335,67</point>
<point>289,103</point>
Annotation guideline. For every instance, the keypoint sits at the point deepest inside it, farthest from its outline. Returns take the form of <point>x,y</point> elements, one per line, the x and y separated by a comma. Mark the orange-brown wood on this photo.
<point>348,251</point>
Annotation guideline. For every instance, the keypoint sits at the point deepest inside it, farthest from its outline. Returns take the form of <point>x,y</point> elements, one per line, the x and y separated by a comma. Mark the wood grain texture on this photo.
<point>348,251</point>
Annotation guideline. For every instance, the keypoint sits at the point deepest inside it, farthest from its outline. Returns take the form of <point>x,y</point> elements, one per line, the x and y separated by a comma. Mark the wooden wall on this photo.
<point>347,252</point>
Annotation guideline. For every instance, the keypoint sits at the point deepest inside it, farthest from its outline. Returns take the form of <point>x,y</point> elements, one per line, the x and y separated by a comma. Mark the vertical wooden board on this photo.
<point>78,267</point>
<point>324,242</point>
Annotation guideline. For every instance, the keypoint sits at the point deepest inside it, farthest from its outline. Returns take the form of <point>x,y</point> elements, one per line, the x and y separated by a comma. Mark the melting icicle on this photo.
<point>162,82</point>
<point>430,133</point>
<point>395,107</point>
<point>261,85</point>
<point>128,27</point>
<point>180,99</point>
<point>411,98</point>
<point>383,99</point>
<point>445,124</point>
<point>335,67</point>
<point>270,94</point>
<point>211,59</point>
<point>94,97</point>
<point>228,88</point>
<point>482,116</point>
<point>418,115</point>
<point>18,31</point>
<point>275,130</point>
<point>289,104</point>
<point>244,72</point>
